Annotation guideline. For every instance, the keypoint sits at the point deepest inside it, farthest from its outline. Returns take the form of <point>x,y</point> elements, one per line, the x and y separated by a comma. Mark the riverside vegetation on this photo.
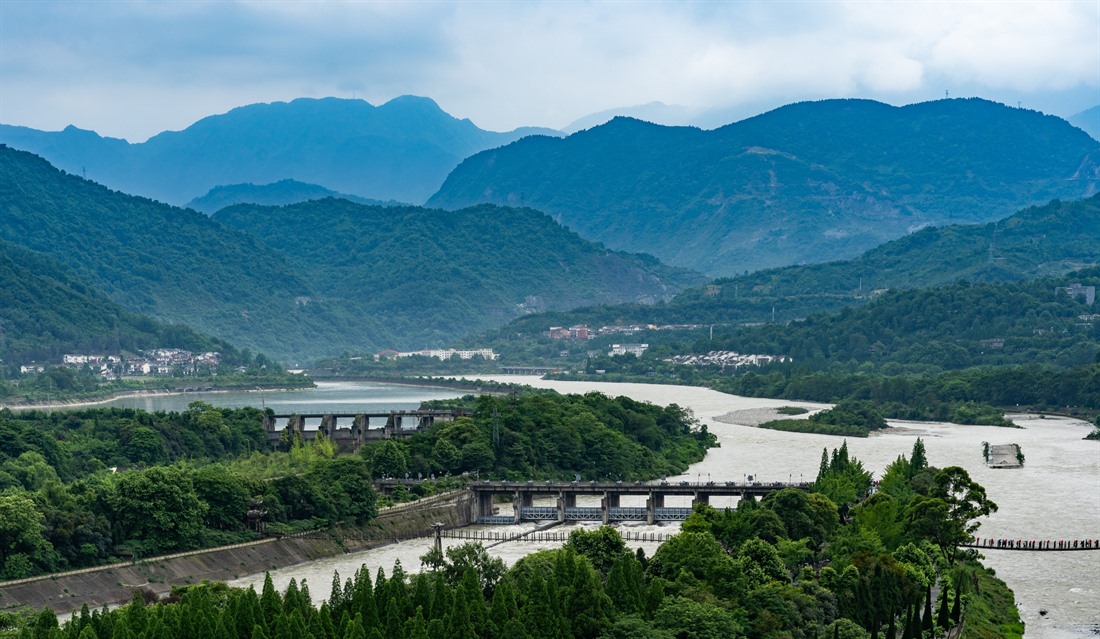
<point>87,487</point>
<point>831,562</point>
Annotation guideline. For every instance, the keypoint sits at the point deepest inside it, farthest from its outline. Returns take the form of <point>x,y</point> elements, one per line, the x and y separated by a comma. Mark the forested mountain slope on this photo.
<point>174,264</point>
<point>432,275</point>
<point>1041,241</point>
<point>45,312</point>
<point>400,150</point>
<point>808,182</point>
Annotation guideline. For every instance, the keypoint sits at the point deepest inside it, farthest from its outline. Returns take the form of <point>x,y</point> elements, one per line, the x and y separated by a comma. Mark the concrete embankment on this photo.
<point>67,592</point>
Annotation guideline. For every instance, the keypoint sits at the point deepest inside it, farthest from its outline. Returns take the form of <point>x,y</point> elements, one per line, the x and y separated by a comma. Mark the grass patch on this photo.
<point>991,611</point>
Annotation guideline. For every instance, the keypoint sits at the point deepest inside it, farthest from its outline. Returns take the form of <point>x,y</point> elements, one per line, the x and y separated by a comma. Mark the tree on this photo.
<point>966,501</point>
<point>158,506</point>
<point>224,495</point>
<point>21,533</point>
<point>602,546</point>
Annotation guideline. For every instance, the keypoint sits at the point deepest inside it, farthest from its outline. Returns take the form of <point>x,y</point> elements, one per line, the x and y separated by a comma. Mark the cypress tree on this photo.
<point>422,594</point>
<point>874,627</point>
<point>588,608</point>
<point>258,632</point>
<point>956,608</point>
<point>355,629</point>
<point>892,629</point>
<point>458,621</point>
<point>514,629</point>
<point>336,597</point>
<point>442,597</point>
<point>290,597</point>
<point>436,628</point>
<point>504,607</point>
<point>928,623</point>
<point>836,629</point>
<point>907,631</point>
<point>417,627</point>
<point>470,588</point>
<point>395,622</point>
<point>270,602</point>
<point>943,619</point>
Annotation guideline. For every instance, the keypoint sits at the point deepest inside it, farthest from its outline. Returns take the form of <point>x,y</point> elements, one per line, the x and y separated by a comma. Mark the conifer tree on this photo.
<point>417,626</point>
<point>503,608</point>
<point>918,460</point>
<point>422,594</point>
<point>624,585</point>
<point>907,630</point>
<point>458,621</point>
<point>927,622</point>
<point>942,618</point>
<point>395,621</point>
<point>270,602</point>
<point>588,608</point>
<point>470,589</point>
<point>514,629</point>
<point>892,628</point>
<point>442,597</point>
<point>258,632</point>
<point>87,633</point>
<point>336,597</point>
<point>956,608</point>
<point>436,628</point>
<point>355,629</point>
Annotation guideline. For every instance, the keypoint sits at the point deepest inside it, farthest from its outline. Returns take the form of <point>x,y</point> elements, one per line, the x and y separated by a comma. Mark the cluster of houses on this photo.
<point>439,353</point>
<point>726,358</point>
<point>583,332</point>
<point>158,361</point>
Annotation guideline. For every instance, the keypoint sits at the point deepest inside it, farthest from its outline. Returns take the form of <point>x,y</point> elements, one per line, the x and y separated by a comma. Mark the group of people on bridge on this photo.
<point>1024,544</point>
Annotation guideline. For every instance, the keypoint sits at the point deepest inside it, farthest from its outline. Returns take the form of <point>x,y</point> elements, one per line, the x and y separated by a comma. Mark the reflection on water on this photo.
<point>327,397</point>
<point>1055,496</point>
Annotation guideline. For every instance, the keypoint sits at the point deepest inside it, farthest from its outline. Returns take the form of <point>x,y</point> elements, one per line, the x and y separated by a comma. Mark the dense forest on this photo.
<point>1040,242</point>
<point>831,562</point>
<point>166,262</point>
<point>45,312</point>
<point>431,276</point>
<point>81,488</point>
<point>804,183</point>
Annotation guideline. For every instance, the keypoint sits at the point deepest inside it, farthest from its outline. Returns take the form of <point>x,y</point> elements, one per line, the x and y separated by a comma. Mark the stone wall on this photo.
<point>115,584</point>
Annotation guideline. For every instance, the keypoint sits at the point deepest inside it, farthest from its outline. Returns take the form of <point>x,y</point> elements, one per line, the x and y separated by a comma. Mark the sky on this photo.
<point>133,69</point>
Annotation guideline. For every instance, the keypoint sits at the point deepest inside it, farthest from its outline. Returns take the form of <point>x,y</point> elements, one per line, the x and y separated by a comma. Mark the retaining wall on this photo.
<point>114,584</point>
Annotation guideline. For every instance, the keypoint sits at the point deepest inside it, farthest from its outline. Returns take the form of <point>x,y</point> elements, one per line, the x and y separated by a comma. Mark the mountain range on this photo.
<point>316,278</point>
<point>808,182</point>
<point>1038,242</point>
<point>275,194</point>
<point>401,150</point>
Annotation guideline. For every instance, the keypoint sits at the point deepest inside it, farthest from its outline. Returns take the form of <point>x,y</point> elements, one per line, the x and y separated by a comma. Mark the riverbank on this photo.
<point>114,584</point>
<point>83,402</point>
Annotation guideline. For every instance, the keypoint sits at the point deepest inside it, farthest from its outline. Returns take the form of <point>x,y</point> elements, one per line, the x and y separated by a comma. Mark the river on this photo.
<point>1056,495</point>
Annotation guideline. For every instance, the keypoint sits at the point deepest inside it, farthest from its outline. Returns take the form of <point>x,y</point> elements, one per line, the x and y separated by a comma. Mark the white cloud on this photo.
<point>134,68</point>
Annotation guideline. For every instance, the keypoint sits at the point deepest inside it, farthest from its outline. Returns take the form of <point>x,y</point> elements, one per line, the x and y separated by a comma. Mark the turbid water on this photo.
<point>1056,495</point>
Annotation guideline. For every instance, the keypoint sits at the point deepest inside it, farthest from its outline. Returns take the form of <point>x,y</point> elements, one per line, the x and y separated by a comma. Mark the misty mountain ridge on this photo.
<point>401,150</point>
<point>1088,121</point>
<point>808,182</point>
<point>278,193</point>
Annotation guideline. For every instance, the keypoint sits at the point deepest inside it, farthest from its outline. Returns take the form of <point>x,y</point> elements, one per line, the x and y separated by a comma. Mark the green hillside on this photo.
<point>174,264</point>
<point>808,182</point>
<point>1042,241</point>
<point>45,313</point>
<point>431,275</point>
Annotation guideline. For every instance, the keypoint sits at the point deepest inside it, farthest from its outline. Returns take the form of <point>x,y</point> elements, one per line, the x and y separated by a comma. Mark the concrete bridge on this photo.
<point>1035,545</point>
<point>349,431</point>
<point>523,495</point>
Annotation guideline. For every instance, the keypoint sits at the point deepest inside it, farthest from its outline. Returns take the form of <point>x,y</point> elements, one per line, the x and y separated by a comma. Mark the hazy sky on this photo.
<point>132,69</point>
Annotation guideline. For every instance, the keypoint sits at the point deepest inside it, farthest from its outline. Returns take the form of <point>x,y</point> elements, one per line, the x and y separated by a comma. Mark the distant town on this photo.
<point>155,362</point>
